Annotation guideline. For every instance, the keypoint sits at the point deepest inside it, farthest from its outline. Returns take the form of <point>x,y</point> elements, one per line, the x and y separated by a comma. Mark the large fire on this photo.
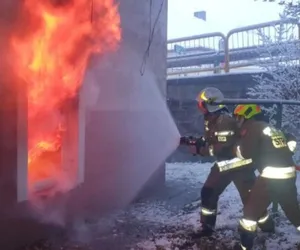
<point>52,44</point>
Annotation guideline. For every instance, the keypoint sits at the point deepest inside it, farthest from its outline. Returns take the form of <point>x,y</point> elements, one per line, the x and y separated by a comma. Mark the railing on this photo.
<point>239,48</point>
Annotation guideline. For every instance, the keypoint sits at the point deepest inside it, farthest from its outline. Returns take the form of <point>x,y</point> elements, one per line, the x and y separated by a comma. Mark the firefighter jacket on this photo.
<point>265,145</point>
<point>291,141</point>
<point>220,136</point>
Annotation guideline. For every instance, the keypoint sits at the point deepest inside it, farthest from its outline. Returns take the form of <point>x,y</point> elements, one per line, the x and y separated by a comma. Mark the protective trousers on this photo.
<point>214,186</point>
<point>265,191</point>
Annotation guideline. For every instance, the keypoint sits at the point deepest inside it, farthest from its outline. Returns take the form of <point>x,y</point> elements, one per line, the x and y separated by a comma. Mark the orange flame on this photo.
<point>52,46</point>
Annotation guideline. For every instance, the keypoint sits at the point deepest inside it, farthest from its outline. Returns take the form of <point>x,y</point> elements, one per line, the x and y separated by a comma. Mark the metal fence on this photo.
<point>241,47</point>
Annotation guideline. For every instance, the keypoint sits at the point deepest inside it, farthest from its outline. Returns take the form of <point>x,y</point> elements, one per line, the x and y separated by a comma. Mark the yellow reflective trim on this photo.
<point>243,248</point>
<point>277,137</point>
<point>206,125</point>
<point>211,150</point>
<point>224,133</point>
<point>222,139</point>
<point>233,163</point>
<point>263,219</point>
<point>248,225</point>
<point>278,173</point>
<point>239,153</point>
<point>206,211</point>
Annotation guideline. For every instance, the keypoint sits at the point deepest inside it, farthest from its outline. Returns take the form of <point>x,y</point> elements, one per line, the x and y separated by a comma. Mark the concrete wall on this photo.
<point>120,114</point>
<point>116,115</point>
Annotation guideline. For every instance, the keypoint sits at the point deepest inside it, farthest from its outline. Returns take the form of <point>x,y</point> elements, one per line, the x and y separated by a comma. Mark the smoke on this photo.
<point>129,129</point>
<point>129,135</point>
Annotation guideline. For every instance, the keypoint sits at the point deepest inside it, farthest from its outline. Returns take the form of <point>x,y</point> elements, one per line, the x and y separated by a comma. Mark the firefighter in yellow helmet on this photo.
<point>220,136</point>
<point>268,149</point>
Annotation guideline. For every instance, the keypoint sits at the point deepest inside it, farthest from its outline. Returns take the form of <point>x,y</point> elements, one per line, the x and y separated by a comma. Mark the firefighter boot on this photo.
<point>208,212</point>
<point>266,224</point>
<point>247,239</point>
<point>239,246</point>
<point>206,231</point>
<point>208,222</point>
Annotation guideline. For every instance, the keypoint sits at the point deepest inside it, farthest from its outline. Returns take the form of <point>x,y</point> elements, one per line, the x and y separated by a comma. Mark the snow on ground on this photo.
<point>169,220</point>
<point>179,227</point>
<point>191,176</point>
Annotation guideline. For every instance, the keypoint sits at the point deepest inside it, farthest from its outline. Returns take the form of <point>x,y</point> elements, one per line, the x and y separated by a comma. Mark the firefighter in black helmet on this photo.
<point>220,136</point>
<point>269,150</point>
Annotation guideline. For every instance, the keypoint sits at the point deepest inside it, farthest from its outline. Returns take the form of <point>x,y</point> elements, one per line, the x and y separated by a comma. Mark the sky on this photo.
<point>221,15</point>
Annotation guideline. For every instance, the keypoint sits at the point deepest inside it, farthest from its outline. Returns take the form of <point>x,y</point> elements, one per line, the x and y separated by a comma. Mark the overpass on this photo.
<point>242,47</point>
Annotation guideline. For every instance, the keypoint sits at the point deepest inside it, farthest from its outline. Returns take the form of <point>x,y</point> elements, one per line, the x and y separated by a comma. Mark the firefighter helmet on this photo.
<point>247,110</point>
<point>207,96</point>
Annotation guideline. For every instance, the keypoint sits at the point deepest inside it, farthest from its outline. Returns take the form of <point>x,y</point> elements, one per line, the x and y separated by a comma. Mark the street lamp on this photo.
<point>200,15</point>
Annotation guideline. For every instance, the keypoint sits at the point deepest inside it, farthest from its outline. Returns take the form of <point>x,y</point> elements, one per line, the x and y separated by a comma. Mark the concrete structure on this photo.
<point>128,83</point>
<point>232,85</point>
<point>110,105</point>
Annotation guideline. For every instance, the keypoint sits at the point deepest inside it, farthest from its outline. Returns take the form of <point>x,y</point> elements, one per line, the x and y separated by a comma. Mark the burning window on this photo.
<point>51,44</point>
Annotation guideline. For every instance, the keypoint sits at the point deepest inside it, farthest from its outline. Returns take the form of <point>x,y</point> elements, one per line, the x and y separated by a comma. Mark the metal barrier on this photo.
<point>239,48</point>
<point>205,46</point>
<point>254,35</point>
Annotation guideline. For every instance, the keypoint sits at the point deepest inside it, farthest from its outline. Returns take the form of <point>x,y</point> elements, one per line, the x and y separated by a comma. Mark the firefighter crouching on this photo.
<point>218,141</point>
<point>267,147</point>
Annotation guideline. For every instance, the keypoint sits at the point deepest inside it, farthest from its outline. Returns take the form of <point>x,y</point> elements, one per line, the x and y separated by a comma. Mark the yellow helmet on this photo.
<point>247,110</point>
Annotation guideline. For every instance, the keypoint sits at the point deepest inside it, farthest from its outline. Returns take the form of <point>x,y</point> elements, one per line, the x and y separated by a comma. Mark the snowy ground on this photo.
<point>168,220</point>
<point>229,213</point>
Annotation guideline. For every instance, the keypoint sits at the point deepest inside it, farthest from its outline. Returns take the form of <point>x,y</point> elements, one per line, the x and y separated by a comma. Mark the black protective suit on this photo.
<point>271,155</point>
<point>221,134</point>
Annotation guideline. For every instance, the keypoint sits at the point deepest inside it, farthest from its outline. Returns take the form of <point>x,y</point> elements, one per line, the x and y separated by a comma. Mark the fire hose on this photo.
<point>192,141</point>
<point>200,141</point>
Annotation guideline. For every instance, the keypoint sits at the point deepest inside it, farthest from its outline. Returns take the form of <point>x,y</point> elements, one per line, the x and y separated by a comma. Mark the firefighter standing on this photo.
<point>269,150</point>
<point>220,137</point>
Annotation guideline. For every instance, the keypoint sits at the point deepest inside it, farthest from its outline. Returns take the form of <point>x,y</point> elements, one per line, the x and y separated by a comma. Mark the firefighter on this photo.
<point>219,138</point>
<point>268,149</point>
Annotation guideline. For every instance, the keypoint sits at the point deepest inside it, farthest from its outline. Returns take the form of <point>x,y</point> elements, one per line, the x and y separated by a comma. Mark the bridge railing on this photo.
<point>216,52</point>
<point>253,38</point>
<point>206,46</point>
